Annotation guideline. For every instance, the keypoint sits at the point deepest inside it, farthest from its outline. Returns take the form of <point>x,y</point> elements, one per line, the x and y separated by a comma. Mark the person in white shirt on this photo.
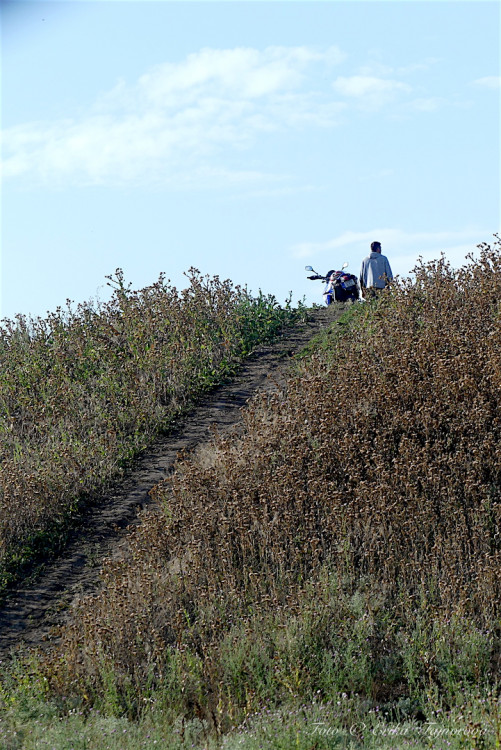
<point>375,271</point>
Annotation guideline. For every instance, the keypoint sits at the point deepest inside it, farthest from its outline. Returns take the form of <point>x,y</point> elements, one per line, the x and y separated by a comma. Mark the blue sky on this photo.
<point>246,139</point>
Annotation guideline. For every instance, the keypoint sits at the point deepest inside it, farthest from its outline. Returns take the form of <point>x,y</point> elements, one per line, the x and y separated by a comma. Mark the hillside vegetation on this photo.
<point>331,576</point>
<point>83,391</point>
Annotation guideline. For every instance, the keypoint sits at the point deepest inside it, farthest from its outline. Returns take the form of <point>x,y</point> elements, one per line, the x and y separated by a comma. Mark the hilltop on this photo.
<point>325,576</point>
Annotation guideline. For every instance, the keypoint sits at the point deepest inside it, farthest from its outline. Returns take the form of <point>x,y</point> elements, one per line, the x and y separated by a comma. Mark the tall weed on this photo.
<point>347,540</point>
<point>84,390</point>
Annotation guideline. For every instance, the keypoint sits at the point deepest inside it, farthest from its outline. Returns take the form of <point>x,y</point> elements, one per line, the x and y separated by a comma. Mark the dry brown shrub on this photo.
<point>380,461</point>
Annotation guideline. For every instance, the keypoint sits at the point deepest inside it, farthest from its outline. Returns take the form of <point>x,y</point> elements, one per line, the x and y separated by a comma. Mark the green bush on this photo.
<point>83,391</point>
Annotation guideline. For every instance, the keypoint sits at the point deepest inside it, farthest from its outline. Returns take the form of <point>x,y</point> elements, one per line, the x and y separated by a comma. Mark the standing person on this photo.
<point>375,271</point>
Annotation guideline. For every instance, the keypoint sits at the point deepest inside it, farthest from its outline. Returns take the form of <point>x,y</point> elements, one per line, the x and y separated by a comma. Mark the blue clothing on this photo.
<point>373,270</point>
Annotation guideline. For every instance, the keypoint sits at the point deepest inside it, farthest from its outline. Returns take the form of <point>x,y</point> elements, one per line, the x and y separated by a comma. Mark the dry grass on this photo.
<point>349,539</point>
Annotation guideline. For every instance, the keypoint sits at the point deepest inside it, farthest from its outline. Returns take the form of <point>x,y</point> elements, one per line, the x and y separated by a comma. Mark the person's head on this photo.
<point>375,247</point>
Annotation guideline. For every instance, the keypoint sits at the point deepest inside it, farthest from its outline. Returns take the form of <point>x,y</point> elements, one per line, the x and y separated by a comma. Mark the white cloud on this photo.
<point>180,118</point>
<point>375,69</point>
<point>370,91</point>
<point>488,82</point>
<point>376,84</point>
<point>427,105</point>
<point>379,69</point>
<point>428,63</point>
<point>246,72</point>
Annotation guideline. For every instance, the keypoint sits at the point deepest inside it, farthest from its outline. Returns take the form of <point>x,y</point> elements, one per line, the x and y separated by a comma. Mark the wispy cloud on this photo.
<point>488,82</point>
<point>243,72</point>
<point>179,120</point>
<point>376,68</point>
<point>403,248</point>
<point>430,104</point>
<point>377,84</point>
<point>371,91</point>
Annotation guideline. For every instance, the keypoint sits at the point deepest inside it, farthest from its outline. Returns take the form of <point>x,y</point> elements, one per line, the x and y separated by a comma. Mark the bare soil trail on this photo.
<point>32,611</point>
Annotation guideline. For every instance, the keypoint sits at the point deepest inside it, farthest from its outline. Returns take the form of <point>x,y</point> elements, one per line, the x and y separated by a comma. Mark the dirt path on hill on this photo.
<point>36,607</point>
